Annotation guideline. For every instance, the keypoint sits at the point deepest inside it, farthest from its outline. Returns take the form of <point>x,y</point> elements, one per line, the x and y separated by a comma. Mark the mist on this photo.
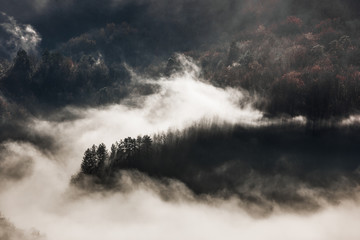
<point>250,110</point>
<point>17,36</point>
<point>35,190</point>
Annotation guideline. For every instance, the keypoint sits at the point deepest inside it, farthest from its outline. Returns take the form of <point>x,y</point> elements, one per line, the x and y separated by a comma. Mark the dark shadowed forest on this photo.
<point>262,166</point>
<point>298,61</point>
<point>122,118</point>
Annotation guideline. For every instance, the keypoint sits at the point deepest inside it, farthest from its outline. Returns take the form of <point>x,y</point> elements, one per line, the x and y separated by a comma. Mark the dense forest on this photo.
<point>293,64</point>
<point>310,70</point>
<point>258,165</point>
<point>140,119</point>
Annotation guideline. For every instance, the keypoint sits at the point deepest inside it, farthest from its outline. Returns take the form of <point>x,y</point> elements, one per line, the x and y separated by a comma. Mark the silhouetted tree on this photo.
<point>113,151</point>
<point>102,157</point>
<point>89,164</point>
<point>146,143</point>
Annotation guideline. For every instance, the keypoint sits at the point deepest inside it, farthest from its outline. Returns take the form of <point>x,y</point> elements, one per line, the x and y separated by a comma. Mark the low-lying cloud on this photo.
<point>39,196</point>
<point>182,99</point>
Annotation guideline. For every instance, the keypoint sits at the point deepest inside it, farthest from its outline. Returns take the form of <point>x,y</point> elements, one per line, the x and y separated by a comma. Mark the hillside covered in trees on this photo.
<point>140,119</point>
<point>297,63</point>
<point>309,69</point>
<point>260,165</point>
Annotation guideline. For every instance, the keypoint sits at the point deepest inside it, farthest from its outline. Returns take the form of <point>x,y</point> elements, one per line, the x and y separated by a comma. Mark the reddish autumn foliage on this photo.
<point>314,74</point>
<point>294,20</point>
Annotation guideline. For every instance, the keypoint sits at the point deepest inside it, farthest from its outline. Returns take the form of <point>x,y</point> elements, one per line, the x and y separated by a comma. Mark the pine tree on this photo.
<point>102,158</point>
<point>89,164</point>
<point>146,143</point>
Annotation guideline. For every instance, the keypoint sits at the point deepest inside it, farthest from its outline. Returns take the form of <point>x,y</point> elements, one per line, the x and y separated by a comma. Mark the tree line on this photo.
<point>55,80</point>
<point>226,161</point>
<point>98,160</point>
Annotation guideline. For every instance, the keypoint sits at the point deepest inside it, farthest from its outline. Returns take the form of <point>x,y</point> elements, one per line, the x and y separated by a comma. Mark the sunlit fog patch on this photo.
<point>351,120</point>
<point>18,36</point>
<point>183,99</point>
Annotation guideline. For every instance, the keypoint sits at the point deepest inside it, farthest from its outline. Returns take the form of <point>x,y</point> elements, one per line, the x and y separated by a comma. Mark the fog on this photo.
<point>252,108</point>
<point>35,183</point>
<point>15,35</point>
<point>44,201</point>
<point>35,190</point>
<point>183,99</point>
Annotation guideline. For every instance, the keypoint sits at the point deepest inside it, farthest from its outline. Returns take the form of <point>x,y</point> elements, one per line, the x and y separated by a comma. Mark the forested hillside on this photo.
<point>260,165</point>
